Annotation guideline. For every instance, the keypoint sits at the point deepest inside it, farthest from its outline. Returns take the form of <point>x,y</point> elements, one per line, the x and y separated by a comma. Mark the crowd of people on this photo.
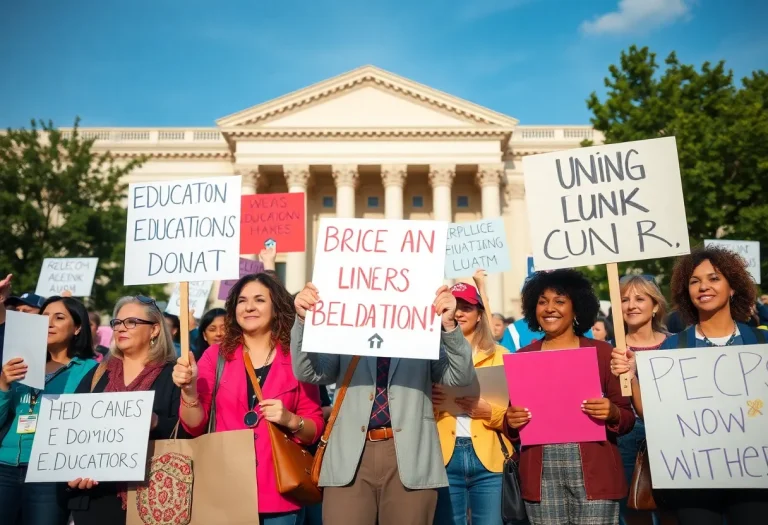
<point>395,455</point>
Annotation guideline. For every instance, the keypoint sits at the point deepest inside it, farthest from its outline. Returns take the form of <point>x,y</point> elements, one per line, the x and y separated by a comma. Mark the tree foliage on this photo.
<point>722,142</point>
<point>59,198</point>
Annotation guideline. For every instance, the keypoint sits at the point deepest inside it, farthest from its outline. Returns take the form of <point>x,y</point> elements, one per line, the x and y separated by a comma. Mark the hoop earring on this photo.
<point>575,322</point>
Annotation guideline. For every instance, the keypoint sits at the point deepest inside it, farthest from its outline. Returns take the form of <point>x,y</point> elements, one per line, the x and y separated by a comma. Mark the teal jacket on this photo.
<point>16,448</point>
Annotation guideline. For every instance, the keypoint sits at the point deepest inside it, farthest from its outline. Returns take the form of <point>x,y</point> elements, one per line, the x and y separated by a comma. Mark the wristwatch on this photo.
<point>300,427</point>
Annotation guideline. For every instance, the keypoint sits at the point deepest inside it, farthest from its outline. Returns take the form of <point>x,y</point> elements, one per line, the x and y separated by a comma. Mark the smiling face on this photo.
<point>254,308</point>
<point>554,313</point>
<point>637,308</point>
<point>708,288</point>
<point>467,315</point>
<point>214,332</point>
<point>134,340</point>
<point>61,326</point>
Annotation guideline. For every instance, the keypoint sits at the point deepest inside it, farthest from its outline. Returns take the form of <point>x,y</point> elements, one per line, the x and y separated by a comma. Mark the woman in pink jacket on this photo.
<point>259,317</point>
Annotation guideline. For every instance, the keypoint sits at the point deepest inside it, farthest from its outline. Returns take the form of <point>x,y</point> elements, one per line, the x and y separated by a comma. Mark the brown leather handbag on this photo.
<point>291,461</point>
<point>340,393</point>
<point>641,487</point>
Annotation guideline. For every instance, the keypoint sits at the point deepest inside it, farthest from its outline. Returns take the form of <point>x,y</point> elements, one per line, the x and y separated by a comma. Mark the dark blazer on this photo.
<point>101,504</point>
<point>600,460</point>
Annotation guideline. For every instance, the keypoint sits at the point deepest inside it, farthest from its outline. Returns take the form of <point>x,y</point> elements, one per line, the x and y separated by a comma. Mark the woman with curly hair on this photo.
<point>571,482</point>
<point>259,317</point>
<point>714,292</point>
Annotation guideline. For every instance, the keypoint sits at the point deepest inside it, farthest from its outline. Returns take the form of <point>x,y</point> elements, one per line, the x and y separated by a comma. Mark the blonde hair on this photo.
<point>644,286</point>
<point>163,350</point>
<point>482,336</point>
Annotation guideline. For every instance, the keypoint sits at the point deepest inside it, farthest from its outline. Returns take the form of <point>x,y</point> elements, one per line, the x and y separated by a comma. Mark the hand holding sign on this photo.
<point>5,288</point>
<point>306,299</point>
<point>517,417</point>
<point>445,306</point>
<point>601,408</point>
<point>268,255</point>
<point>185,375</point>
<point>623,363</point>
<point>14,370</point>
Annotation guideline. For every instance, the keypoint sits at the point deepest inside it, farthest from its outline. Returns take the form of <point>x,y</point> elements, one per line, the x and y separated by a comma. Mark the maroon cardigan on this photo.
<point>600,461</point>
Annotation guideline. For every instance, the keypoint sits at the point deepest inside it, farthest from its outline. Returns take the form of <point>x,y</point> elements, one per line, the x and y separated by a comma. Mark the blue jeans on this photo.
<point>28,503</point>
<point>471,488</point>
<point>283,518</point>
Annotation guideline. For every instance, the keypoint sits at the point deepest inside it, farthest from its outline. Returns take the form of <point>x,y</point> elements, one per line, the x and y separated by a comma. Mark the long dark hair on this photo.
<point>205,322</point>
<point>283,313</point>
<point>81,344</point>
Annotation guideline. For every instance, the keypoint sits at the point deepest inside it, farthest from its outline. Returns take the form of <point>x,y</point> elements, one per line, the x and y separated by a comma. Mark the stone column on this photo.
<point>250,179</point>
<point>518,236</point>
<point>393,177</point>
<point>489,178</point>
<point>441,179</point>
<point>297,178</point>
<point>346,177</point>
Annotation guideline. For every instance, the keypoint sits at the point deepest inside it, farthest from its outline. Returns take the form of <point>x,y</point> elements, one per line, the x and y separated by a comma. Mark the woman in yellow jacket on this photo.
<point>471,440</point>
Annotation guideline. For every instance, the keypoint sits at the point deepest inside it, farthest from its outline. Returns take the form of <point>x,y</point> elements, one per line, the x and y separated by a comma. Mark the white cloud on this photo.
<point>638,16</point>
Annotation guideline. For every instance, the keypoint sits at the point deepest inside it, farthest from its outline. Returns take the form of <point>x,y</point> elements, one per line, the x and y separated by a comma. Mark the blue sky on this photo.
<point>174,63</point>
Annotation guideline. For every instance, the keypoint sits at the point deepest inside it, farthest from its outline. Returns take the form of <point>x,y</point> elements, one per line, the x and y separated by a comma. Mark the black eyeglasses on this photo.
<point>143,299</point>
<point>129,323</point>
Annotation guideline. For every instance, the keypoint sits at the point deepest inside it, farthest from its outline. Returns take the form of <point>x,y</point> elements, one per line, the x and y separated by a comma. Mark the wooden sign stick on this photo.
<point>184,319</point>
<point>618,322</point>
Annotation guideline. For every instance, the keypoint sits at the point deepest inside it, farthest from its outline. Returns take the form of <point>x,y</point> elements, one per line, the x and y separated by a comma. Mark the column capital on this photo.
<point>441,174</point>
<point>394,174</point>
<point>489,174</point>
<point>514,189</point>
<point>296,175</point>
<point>251,176</point>
<point>345,175</point>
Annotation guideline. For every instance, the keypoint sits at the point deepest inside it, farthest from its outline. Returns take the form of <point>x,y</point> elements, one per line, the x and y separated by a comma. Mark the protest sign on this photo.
<point>706,422</point>
<point>98,436</point>
<point>247,267</point>
<point>377,282</point>
<point>750,250</point>
<point>67,274</point>
<point>26,336</point>
<point>477,244</point>
<point>490,384</point>
<point>553,385</point>
<point>531,267</point>
<point>184,230</point>
<point>276,216</point>
<point>198,298</point>
<point>606,204</point>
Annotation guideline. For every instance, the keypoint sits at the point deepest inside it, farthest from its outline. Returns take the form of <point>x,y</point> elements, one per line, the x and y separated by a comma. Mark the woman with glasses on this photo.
<point>571,482</point>
<point>255,350</point>
<point>714,292</point>
<point>141,359</point>
<point>70,349</point>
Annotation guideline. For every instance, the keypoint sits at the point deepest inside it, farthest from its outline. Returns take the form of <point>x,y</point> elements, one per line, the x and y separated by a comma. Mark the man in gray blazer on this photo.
<point>383,462</point>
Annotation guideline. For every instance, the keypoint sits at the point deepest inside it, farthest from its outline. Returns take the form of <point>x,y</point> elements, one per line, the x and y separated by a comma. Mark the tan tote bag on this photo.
<point>223,478</point>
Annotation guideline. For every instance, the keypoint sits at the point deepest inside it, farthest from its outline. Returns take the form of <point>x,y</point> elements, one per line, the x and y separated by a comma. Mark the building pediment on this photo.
<point>367,101</point>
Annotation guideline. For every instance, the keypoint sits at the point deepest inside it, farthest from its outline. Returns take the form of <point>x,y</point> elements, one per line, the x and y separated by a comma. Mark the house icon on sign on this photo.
<point>375,339</point>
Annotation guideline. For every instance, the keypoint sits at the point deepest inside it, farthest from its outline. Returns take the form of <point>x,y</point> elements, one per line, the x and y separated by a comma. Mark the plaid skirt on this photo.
<point>563,497</point>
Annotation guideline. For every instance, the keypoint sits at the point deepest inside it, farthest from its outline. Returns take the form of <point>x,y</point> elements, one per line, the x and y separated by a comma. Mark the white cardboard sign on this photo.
<point>198,298</point>
<point>103,437</point>
<point>476,244</point>
<point>490,384</point>
<point>606,204</point>
<point>705,416</point>
<point>183,230</point>
<point>67,274</point>
<point>26,336</point>
<point>750,250</point>
<point>377,281</point>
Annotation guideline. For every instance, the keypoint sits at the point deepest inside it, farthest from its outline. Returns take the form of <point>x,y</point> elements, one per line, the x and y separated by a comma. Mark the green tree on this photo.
<point>722,142</point>
<point>59,198</point>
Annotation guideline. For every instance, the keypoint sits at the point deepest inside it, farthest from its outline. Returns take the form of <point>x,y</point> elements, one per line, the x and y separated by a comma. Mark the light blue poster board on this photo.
<point>531,269</point>
<point>478,244</point>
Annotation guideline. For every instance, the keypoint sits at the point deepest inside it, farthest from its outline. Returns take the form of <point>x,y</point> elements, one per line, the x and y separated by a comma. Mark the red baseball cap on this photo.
<point>467,292</point>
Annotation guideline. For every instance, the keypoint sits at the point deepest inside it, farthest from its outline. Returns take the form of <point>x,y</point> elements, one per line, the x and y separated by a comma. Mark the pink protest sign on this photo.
<point>247,267</point>
<point>552,384</point>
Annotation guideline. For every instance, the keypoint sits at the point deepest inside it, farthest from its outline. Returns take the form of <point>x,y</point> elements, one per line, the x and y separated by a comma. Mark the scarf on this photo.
<point>141,383</point>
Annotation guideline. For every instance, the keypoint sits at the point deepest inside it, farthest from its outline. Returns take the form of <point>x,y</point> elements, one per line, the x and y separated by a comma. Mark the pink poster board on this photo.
<point>247,267</point>
<point>552,384</point>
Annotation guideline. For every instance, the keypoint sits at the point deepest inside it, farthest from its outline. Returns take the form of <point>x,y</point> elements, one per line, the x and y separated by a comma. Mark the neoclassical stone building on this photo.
<point>366,144</point>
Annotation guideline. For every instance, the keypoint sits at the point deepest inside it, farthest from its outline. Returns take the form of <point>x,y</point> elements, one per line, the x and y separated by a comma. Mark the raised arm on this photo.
<point>454,367</point>
<point>318,369</point>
